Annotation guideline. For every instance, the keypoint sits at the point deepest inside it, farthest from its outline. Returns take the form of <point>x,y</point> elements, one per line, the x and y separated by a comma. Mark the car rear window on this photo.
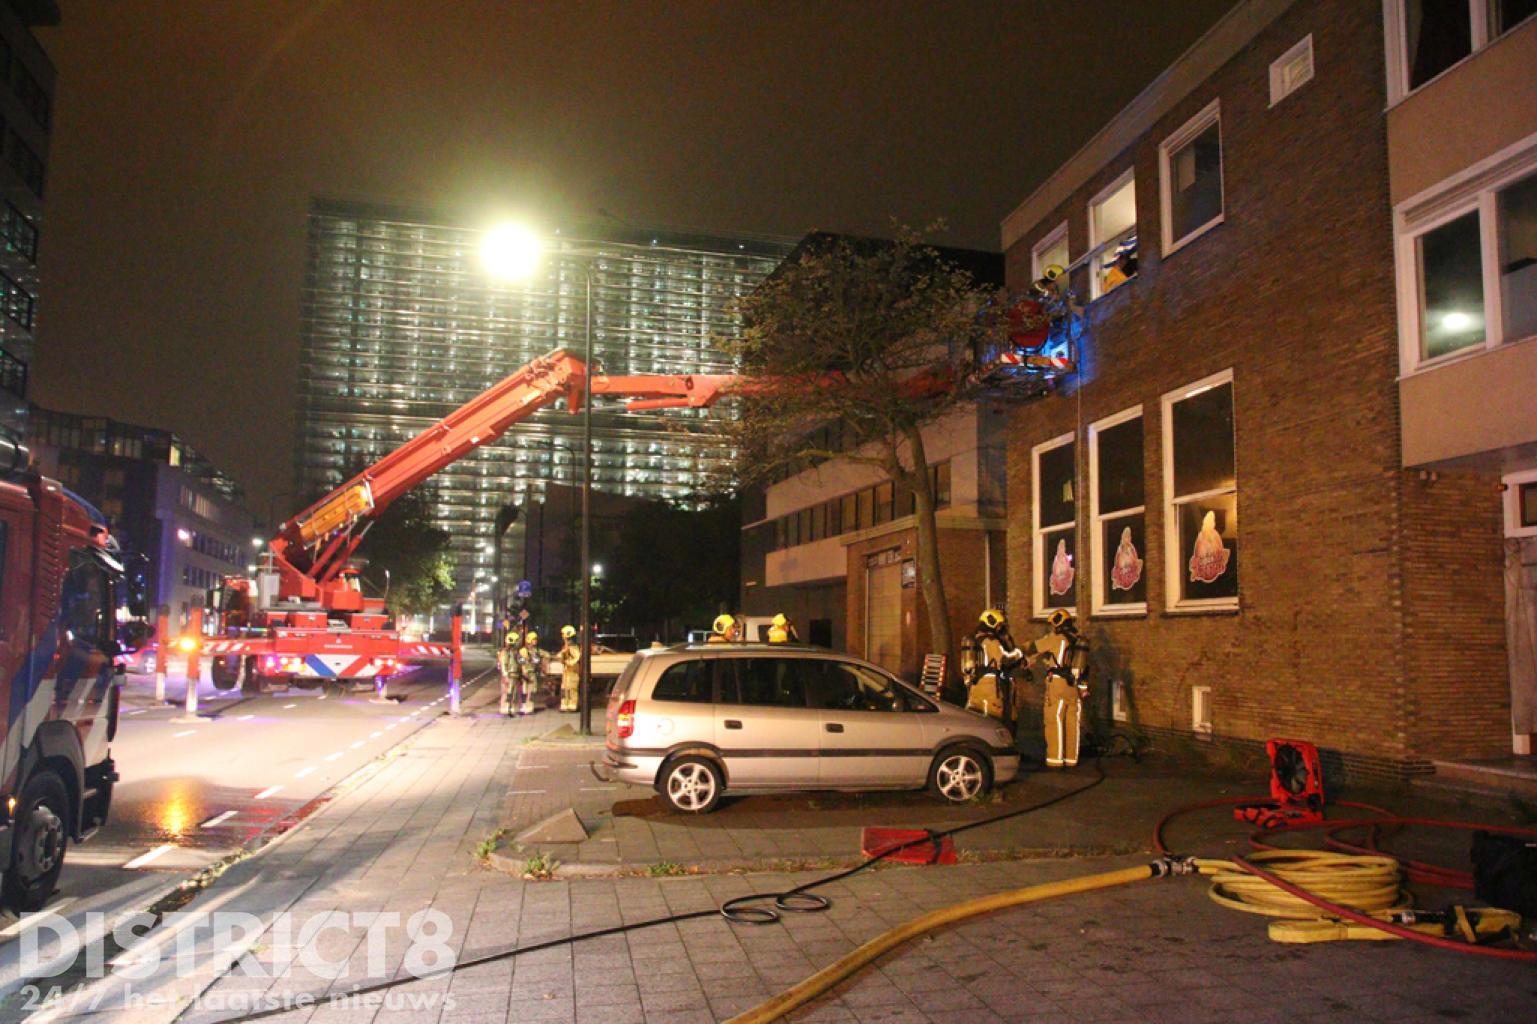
<point>688,681</point>
<point>765,682</point>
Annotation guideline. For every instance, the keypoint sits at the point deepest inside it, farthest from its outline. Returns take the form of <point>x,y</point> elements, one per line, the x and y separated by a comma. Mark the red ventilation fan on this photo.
<point>1296,787</point>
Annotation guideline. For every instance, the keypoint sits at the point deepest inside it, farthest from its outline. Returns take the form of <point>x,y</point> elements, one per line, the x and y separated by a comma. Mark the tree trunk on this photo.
<point>930,580</point>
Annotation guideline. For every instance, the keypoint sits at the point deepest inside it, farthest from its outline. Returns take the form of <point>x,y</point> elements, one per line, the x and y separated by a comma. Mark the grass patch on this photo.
<point>540,868</point>
<point>665,869</point>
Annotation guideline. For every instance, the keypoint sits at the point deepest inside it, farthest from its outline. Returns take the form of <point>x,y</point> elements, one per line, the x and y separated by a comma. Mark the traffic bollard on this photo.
<point>455,661</point>
<point>194,667</point>
<point>162,649</point>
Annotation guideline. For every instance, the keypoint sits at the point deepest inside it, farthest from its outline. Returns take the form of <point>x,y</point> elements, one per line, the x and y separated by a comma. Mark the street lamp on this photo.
<point>512,252</point>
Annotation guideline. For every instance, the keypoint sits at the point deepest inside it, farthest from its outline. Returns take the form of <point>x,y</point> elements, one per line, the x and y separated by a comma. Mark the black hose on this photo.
<point>738,910</point>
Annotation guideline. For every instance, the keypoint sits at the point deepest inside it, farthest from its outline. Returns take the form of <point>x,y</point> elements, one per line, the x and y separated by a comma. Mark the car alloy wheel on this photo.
<point>960,776</point>
<point>693,785</point>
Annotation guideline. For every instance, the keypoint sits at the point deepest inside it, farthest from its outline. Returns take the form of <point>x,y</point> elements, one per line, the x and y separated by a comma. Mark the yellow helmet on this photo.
<point>1059,618</point>
<point>568,631</point>
<point>510,639</point>
<point>531,639</point>
<point>992,619</point>
<point>723,624</point>
<point>781,621</point>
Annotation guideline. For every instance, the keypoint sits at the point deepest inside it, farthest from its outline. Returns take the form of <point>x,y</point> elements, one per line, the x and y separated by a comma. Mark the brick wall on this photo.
<point>1348,566</point>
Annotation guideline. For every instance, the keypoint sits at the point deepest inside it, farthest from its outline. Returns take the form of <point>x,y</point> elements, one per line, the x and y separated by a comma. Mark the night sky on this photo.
<point>189,136</point>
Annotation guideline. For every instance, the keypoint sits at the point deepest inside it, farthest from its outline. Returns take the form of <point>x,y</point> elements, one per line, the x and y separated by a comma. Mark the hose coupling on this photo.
<point>1171,865</point>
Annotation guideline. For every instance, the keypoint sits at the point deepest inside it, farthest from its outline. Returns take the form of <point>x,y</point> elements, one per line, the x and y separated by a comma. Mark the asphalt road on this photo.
<point>192,793</point>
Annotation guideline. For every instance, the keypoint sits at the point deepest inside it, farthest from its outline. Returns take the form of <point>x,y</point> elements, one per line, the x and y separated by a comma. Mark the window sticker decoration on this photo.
<point>1209,560</point>
<point>1127,569</point>
<point>1061,580</point>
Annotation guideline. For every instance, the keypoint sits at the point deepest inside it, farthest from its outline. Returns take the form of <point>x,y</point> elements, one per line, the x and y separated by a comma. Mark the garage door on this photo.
<point>883,616</point>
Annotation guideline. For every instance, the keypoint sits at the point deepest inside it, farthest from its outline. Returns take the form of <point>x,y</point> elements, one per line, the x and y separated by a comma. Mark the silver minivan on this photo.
<point>697,720</point>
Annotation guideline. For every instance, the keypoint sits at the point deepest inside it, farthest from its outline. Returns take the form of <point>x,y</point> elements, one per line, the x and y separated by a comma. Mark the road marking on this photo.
<point>218,819</point>
<point>269,791</point>
<point>244,718</point>
<point>525,792</point>
<point>596,789</point>
<point>145,858</point>
<point>333,757</point>
<point>356,745</point>
<point>392,725</point>
<point>20,925</point>
<point>375,734</point>
<point>184,732</point>
<point>287,706</point>
<point>135,711</point>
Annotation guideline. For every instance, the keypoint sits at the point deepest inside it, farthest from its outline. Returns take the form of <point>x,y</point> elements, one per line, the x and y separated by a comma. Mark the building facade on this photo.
<point>402,325</point>
<point>161,498</point>
<point>1232,234</point>
<point>26,117</point>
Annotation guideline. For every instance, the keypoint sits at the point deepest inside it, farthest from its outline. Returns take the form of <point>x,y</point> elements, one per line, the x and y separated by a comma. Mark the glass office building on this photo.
<point>401,325</point>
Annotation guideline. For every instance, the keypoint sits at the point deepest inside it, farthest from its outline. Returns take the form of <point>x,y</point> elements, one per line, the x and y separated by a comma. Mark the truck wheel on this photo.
<point>37,849</point>
<point>225,672</point>
<point>250,679</point>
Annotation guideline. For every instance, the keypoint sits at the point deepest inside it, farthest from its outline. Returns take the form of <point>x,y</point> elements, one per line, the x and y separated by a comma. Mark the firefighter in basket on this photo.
<point>570,668</point>
<point>987,665</point>
<point>782,630</point>
<point>1063,655</point>
<point>725,630</point>
<point>507,669</point>
<point>530,661</point>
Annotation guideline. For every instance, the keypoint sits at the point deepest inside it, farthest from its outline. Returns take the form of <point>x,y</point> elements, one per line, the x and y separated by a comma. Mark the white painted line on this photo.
<point>269,791</point>
<point>245,718</point>
<point>218,819</point>
<point>375,734</point>
<point>287,706</point>
<point>532,767</point>
<point>302,772</point>
<point>525,792</point>
<point>356,745</point>
<point>597,789</point>
<point>184,732</point>
<point>145,858</point>
<point>333,757</point>
<point>20,925</point>
<point>135,711</point>
<point>392,725</point>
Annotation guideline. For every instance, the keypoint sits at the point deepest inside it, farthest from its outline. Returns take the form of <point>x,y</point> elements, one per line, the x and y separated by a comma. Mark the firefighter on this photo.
<point>507,668</point>
<point>782,630</point>
<point>725,630</point>
<point>1064,656</point>
<point>530,666</point>
<point>990,659</point>
<point>570,668</point>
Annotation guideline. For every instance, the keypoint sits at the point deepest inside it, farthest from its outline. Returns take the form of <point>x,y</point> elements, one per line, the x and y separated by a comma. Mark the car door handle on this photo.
<point>834,727</point>
<point>732,723</point>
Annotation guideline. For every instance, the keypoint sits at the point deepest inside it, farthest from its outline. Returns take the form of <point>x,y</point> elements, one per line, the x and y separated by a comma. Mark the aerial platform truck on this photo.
<point>303,619</point>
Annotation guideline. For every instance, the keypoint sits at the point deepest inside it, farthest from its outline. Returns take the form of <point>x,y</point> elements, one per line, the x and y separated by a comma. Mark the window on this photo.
<point>1200,710</point>
<point>940,474</point>
<point>1190,179</point>
<point>841,686</point>
<point>1118,532</point>
<point>1048,252</point>
<point>764,682</point>
<point>1054,466</point>
<point>866,499</point>
<point>884,494</point>
<point>83,604</point>
<point>1292,70</point>
<point>1201,496</point>
<point>849,512</point>
<point>687,681</point>
<point>16,302</point>
<point>1521,504</point>
<point>1113,236</point>
<point>1467,264</point>
<point>1426,37</point>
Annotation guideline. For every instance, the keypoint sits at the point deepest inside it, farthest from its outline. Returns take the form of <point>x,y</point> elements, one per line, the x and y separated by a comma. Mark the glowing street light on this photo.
<point>258,542</point>
<point>511,252</point>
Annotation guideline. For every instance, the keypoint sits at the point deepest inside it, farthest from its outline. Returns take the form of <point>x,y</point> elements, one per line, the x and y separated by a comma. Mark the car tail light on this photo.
<point>625,721</point>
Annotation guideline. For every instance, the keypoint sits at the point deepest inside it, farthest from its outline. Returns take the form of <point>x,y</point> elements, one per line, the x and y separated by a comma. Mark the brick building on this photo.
<point>1232,236</point>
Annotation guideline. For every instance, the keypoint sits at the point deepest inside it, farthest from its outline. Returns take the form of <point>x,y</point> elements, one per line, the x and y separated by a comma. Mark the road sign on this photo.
<point>523,590</point>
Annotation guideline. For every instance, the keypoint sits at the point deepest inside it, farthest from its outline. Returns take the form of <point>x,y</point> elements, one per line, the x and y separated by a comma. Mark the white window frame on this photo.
<point>1210,115</point>
<point>1119,712</point>
<point>1200,701</point>
<point>1057,234</point>
<point>1512,496</point>
<point>1279,89</point>
<point>1395,24</point>
<point>1096,521</point>
<point>1039,608</point>
<point>1173,556</point>
<point>1098,246</point>
<point>1474,189</point>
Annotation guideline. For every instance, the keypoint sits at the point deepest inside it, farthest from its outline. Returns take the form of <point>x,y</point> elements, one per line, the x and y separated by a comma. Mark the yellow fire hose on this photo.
<point>1369,884</point>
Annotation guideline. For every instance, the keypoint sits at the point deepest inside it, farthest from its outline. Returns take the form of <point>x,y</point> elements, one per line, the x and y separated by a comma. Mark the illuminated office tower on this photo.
<point>401,325</point>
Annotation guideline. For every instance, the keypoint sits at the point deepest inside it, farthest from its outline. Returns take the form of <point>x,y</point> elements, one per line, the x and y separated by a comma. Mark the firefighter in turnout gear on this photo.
<point>570,668</point>
<point>1063,654</point>
<point>782,630</point>
<point>507,668</point>
<point>725,630</point>
<point>987,664</point>
<point>529,664</point>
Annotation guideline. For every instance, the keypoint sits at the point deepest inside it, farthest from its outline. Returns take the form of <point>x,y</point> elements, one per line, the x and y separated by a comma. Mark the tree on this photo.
<point>409,557</point>
<point>877,337</point>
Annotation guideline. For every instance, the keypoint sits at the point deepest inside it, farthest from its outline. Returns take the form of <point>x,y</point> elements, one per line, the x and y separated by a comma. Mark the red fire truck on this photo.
<point>59,582</point>
<point>303,618</point>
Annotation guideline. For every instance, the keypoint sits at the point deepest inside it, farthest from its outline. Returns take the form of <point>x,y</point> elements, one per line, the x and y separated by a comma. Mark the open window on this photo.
<point>1113,236</point>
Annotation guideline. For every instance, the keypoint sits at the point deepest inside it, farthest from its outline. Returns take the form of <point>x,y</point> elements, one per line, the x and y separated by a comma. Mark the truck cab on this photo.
<point>59,585</point>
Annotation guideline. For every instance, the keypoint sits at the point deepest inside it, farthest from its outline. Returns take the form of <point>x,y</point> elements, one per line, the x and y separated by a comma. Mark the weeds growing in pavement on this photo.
<point>540,868</point>
<point>488,845</point>
<point>665,869</point>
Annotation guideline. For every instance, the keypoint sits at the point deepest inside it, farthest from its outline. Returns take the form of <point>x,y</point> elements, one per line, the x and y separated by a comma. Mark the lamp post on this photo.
<point>512,253</point>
